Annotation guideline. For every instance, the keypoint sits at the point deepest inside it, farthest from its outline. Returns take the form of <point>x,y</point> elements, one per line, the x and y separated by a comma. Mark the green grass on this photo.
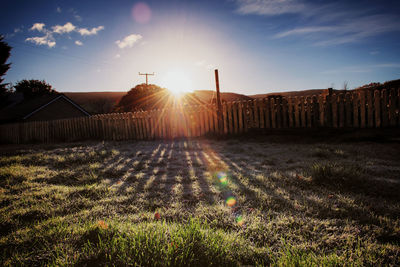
<point>218,205</point>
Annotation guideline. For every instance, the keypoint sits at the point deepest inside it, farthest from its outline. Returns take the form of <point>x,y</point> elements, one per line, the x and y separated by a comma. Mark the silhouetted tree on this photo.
<point>5,50</point>
<point>379,86</point>
<point>147,97</point>
<point>345,85</point>
<point>33,88</point>
<point>143,97</point>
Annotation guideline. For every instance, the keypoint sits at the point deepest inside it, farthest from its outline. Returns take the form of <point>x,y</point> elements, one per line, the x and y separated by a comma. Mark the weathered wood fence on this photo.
<point>363,109</point>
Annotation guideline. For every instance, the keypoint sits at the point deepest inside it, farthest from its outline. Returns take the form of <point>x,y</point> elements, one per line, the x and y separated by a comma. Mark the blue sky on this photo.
<point>259,46</point>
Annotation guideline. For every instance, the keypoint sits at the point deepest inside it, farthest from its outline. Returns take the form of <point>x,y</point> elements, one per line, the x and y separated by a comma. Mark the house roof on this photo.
<point>28,107</point>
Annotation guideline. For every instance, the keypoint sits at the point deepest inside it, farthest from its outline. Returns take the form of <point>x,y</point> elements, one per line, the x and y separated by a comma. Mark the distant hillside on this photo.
<point>96,102</point>
<point>207,96</point>
<point>105,102</point>
<point>311,92</point>
<point>304,93</point>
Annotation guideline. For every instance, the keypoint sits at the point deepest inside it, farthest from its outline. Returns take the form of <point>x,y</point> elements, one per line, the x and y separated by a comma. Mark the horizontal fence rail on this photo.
<point>354,109</point>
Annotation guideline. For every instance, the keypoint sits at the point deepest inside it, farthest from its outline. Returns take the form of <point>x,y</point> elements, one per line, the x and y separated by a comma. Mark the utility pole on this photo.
<point>219,105</point>
<point>147,74</point>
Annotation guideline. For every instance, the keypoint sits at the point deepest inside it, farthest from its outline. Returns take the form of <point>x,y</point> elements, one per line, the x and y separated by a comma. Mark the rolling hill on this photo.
<point>96,102</point>
<point>105,102</point>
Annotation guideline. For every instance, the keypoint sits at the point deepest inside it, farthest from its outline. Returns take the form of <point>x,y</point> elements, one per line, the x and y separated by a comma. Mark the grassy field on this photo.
<point>202,202</point>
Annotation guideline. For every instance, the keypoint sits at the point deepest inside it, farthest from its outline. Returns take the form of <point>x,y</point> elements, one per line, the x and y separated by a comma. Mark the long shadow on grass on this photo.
<point>296,189</point>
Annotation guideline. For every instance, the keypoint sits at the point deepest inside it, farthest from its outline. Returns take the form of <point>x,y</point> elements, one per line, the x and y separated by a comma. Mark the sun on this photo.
<point>177,82</point>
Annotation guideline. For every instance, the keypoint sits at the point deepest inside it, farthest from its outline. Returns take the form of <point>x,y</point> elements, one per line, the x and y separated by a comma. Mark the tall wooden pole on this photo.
<point>219,105</point>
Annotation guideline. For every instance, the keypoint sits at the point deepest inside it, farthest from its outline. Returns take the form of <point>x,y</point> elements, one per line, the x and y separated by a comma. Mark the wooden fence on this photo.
<point>363,109</point>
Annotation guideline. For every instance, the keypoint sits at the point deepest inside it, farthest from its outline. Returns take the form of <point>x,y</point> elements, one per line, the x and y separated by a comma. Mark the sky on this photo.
<point>258,46</point>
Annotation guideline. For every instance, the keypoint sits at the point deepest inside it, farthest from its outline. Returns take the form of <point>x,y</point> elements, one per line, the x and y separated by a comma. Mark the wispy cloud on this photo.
<point>75,14</point>
<point>38,27</point>
<point>66,28</point>
<point>327,24</point>
<point>93,31</point>
<point>362,68</point>
<point>77,42</point>
<point>16,31</point>
<point>269,7</point>
<point>129,41</point>
<point>44,40</point>
<point>306,30</point>
<point>58,9</point>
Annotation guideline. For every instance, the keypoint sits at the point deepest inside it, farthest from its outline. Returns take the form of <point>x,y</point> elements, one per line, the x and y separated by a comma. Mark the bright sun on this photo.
<point>177,82</point>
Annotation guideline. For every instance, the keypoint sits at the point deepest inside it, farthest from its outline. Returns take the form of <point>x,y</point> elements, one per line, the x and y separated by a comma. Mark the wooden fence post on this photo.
<point>303,112</point>
<point>284,113</point>
<point>385,119</point>
<point>355,100</point>
<point>256,113</point>
<point>273,112</point>
<point>290,111</point>
<point>309,121</point>
<point>225,116</point>
<point>348,110</point>
<point>261,109</point>
<point>235,118</point>
<point>377,109</point>
<point>245,116</point>
<point>362,109</point>
<point>370,111</point>
<point>278,103</point>
<point>240,116</point>
<point>296,112</point>
<point>334,110</point>
<point>341,111</point>
<point>267,112</point>
<point>392,107</point>
<point>315,111</point>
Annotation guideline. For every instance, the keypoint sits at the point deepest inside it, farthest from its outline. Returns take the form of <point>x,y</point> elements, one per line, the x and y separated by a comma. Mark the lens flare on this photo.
<point>239,220</point>
<point>231,201</point>
<point>141,13</point>
<point>223,178</point>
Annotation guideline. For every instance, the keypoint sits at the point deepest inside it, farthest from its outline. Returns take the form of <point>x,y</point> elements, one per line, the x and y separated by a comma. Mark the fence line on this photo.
<point>354,109</point>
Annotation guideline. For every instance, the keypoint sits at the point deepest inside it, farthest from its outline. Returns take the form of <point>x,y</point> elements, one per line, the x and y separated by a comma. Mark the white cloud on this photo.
<point>129,41</point>
<point>85,31</point>
<point>45,40</point>
<point>77,42</point>
<point>66,28</point>
<point>117,56</point>
<point>269,7</point>
<point>38,26</point>
<point>58,10</point>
